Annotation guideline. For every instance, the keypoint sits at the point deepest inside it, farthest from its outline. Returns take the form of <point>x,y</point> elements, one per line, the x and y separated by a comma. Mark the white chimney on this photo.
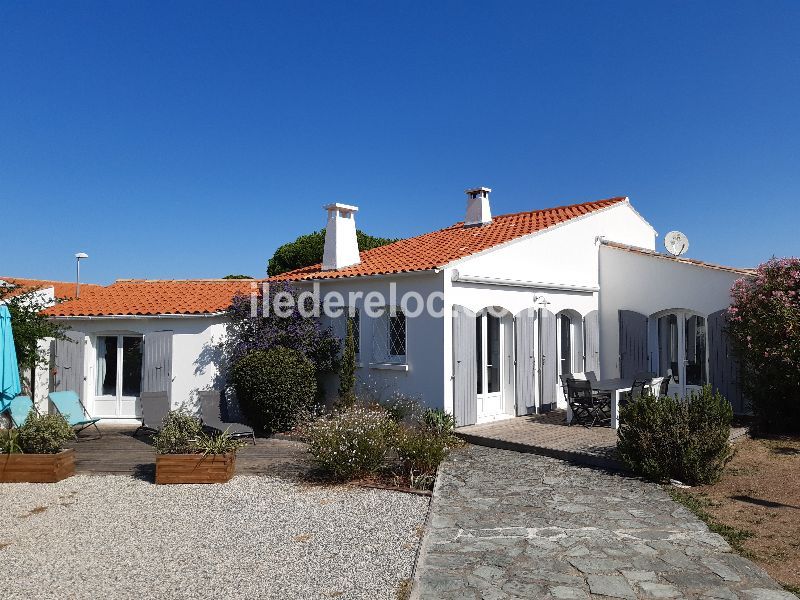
<point>478,210</point>
<point>341,244</point>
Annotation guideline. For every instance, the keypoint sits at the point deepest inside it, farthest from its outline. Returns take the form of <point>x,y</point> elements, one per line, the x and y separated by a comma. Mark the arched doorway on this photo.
<point>494,359</point>
<point>679,349</point>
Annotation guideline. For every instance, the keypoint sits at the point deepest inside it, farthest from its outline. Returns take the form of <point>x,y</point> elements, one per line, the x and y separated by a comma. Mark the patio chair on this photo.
<point>587,408</point>
<point>655,385</point>
<point>70,406</point>
<point>211,416</point>
<point>664,388</point>
<point>155,408</point>
<point>19,409</point>
<point>640,382</point>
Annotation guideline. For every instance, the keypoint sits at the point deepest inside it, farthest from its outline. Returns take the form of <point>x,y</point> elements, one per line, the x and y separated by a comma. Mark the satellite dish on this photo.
<point>676,243</point>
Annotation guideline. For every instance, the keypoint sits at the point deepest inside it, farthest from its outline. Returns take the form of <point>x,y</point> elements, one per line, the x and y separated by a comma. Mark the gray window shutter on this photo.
<point>591,342</point>
<point>465,368</point>
<point>633,356</point>
<point>548,360</point>
<point>577,345</point>
<point>69,364</point>
<point>157,372</point>
<point>723,368</point>
<point>526,361</point>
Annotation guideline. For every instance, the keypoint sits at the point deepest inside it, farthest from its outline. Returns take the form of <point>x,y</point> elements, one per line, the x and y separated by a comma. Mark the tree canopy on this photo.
<point>308,249</point>
<point>28,324</point>
<point>237,277</point>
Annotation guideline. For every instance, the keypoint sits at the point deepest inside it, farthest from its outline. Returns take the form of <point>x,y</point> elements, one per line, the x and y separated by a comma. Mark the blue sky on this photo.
<point>190,139</point>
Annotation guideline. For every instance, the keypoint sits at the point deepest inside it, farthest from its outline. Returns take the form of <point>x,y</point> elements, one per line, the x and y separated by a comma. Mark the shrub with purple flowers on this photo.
<point>764,328</point>
<point>248,333</point>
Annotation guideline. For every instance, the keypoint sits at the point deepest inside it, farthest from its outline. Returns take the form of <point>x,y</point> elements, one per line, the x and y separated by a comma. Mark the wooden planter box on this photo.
<point>37,468</point>
<point>195,468</point>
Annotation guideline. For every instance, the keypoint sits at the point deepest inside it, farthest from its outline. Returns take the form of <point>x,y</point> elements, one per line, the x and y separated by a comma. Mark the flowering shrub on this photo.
<point>352,443</point>
<point>764,329</point>
<point>673,438</point>
<point>247,334</point>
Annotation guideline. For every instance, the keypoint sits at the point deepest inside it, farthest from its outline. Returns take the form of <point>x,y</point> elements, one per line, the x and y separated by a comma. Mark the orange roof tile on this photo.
<point>442,247</point>
<point>140,297</point>
<point>61,289</point>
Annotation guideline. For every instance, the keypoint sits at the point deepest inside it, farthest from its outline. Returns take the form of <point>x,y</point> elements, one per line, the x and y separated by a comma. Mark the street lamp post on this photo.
<point>78,258</point>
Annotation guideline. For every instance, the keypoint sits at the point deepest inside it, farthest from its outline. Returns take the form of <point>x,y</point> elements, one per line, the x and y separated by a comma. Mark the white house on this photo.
<point>526,297</point>
<point>507,304</point>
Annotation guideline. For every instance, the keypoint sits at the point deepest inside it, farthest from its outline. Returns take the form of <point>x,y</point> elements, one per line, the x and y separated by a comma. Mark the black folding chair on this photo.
<point>588,409</point>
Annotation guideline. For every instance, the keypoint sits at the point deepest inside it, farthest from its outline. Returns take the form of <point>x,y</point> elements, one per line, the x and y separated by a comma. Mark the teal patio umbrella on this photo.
<point>9,369</point>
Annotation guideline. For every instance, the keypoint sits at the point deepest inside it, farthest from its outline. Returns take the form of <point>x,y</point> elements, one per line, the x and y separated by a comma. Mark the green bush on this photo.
<point>9,441</point>
<point>44,434</point>
<point>275,388</point>
<point>421,449</point>
<point>178,435</point>
<point>671,438</point>
<point>181,433</point>
<point>438,420</point>
<point>352,443</point>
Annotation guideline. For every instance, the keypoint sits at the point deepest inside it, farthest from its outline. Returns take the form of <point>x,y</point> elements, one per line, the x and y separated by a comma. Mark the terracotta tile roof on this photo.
<point>679,259</point>
<point>148,297</point>
<point>442,247</point>
<point>61,289</point>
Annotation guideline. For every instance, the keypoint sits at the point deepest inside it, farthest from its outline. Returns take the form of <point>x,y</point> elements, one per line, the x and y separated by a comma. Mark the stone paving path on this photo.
<point>510,525</point>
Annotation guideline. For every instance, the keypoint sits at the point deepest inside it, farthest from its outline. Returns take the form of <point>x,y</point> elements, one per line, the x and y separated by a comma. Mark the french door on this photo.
<point>118,376</point>
<point>683,351</point>
<point>489,344</point>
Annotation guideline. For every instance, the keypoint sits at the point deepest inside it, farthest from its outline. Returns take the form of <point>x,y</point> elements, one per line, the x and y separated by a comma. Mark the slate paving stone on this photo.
<point>508,525</point>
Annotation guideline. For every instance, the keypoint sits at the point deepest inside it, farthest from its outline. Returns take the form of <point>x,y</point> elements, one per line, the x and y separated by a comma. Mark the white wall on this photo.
<point>565,254</point>
<point>650,284</point>
<point>195,350</point>
<point>424,338</point>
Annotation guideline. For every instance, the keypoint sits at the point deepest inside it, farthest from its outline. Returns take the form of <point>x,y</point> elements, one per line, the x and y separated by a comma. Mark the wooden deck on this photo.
<point>118,452</point>
<point>549,435</point>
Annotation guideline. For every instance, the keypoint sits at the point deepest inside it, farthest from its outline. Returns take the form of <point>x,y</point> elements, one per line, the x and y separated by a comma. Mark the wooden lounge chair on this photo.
<point>70,406</point>
<point>155,408</point>
<point>211,416</point>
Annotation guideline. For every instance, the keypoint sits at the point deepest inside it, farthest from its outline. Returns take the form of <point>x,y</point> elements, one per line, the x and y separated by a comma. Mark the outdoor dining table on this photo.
<point>616,387</point>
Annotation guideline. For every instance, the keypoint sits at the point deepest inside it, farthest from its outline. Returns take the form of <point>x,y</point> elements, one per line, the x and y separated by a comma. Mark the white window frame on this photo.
<point>382,335</point>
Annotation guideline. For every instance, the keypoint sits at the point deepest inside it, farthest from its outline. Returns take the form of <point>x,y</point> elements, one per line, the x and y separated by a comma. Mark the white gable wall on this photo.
<point>648,285</point>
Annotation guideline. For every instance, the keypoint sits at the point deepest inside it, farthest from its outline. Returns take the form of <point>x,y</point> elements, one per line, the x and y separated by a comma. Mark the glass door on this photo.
<point>118,371</point>
<point>489,340</point>
<point>682,351</point>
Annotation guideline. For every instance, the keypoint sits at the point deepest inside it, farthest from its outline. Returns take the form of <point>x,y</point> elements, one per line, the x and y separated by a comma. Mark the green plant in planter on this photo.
<point>44,434</point>
<point>9,442</point>
<point>217,444</point>
<point>181,433</point>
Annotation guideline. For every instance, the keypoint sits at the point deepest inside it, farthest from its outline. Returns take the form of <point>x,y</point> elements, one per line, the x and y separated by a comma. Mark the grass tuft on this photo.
<point>735,537</point>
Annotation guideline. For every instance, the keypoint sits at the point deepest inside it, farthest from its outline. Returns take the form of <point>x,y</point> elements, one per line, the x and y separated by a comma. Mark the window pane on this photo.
<point>479,351</point>
<point>106,366</point>
<point>493,353</point>
<point>397,334</point>
<point>668,346</point>
<point>355,320</point>
<point>131,366</point>
<point>566,344</point>
<point>695,350</point>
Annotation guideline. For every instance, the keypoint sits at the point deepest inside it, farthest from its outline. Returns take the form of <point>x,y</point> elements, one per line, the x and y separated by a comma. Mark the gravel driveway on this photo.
<point>255,537</point>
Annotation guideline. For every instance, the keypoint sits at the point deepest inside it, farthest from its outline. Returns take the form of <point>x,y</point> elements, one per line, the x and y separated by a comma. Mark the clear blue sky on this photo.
<point>190,139</point>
